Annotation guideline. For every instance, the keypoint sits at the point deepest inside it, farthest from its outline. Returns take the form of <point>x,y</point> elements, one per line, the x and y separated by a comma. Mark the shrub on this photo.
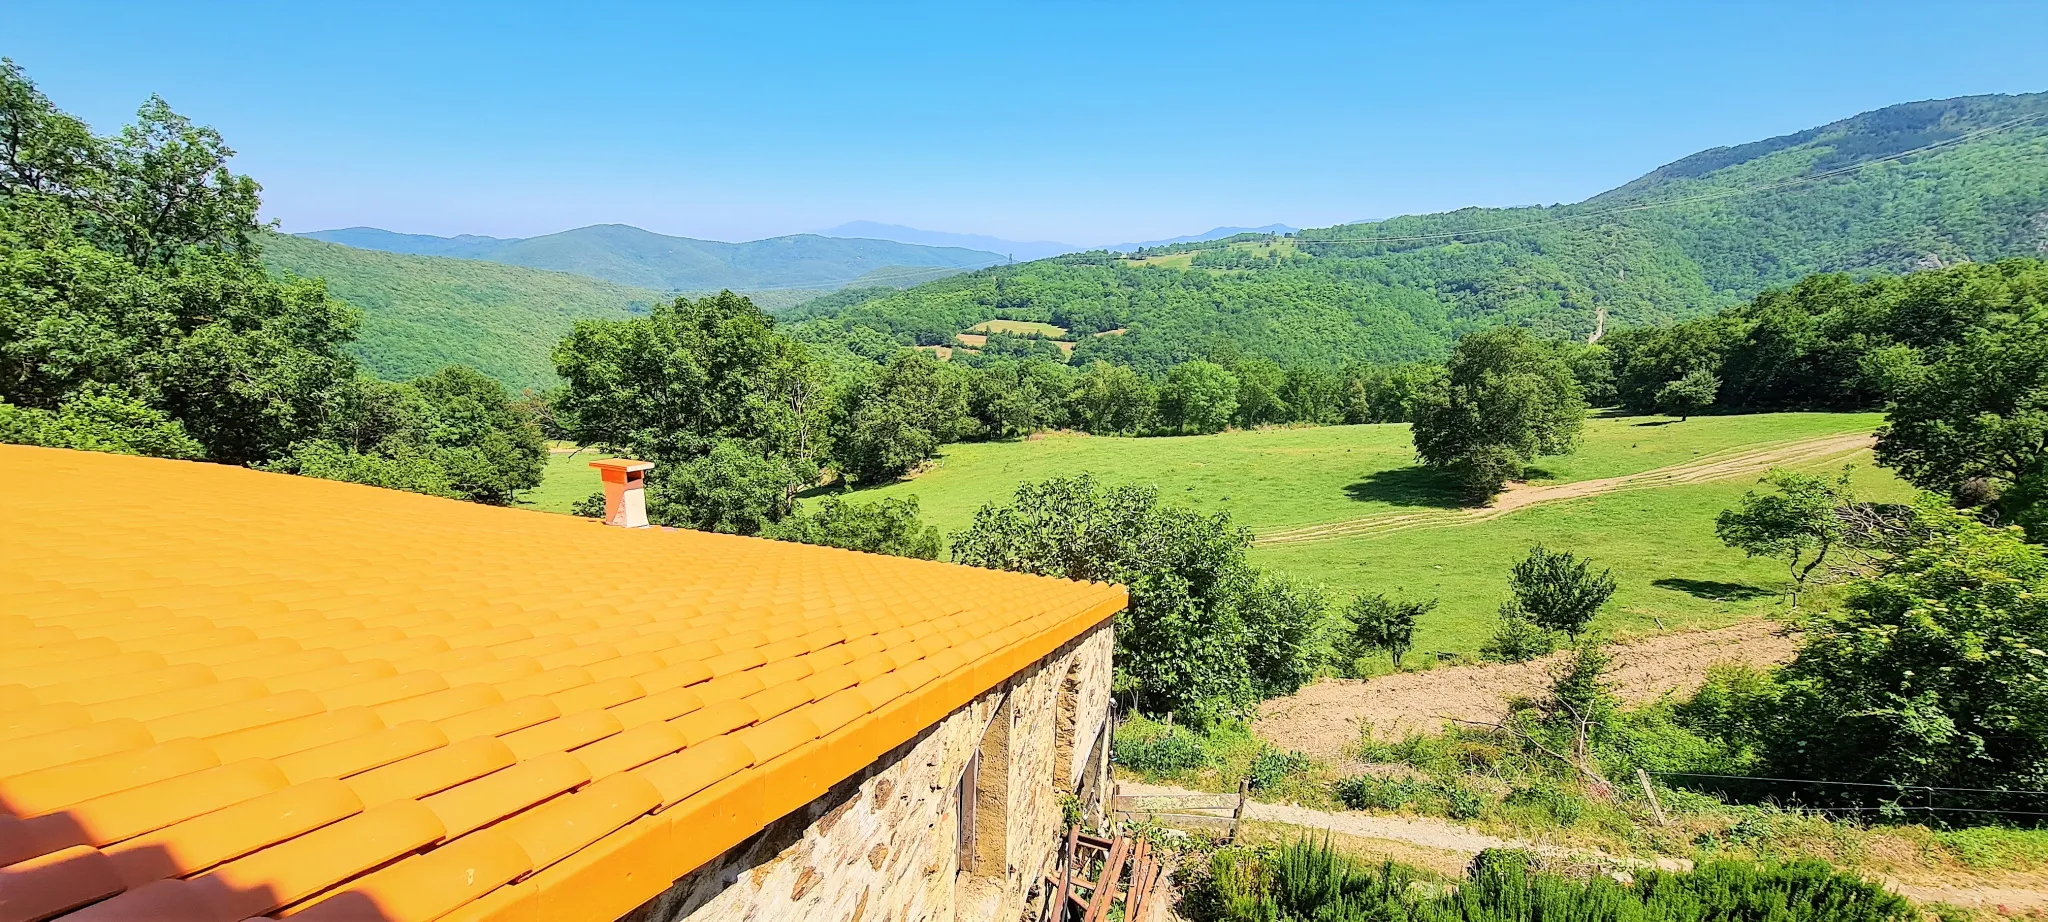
<point>1310,881</point>
<point>1272,766</point>
<point>1370,792</point>
<point>1157,749</point>
<point>1517,638</point>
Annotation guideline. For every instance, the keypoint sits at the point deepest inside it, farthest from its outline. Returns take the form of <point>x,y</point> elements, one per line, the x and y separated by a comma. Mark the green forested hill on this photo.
<point>1912,185</point>
<point>628,255</point>
<point>421,313</point>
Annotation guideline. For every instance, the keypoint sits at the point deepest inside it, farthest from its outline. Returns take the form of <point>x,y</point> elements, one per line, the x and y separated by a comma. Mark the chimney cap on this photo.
<point>622,464</point>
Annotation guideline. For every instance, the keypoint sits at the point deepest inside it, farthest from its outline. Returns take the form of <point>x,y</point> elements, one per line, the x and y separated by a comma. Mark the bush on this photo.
<point>1157,749</point>
<point>1310,881</point>
<point>1517,638</point>
<point>1272,766</point>
<point>1370,792</point>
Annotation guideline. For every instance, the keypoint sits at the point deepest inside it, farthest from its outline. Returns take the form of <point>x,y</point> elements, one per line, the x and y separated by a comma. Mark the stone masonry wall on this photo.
<point>883,846</point>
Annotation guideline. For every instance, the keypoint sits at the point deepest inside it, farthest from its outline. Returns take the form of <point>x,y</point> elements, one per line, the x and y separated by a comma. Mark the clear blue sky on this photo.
<point>1078,122</point>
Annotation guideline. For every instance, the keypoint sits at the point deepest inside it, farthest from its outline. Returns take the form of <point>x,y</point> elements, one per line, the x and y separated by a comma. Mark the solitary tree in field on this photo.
<point>1558,591</point>
<point>1801,522</point>
<point>1381,623</point>
<point>1688,395</point>
<point>1508,397</point>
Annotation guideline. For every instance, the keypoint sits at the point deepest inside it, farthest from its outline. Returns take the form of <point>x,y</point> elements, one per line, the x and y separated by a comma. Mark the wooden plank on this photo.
<point>1112,872</point>
<point>1059,906</point>
<point>1204,801</point>
<point>1244,793</point>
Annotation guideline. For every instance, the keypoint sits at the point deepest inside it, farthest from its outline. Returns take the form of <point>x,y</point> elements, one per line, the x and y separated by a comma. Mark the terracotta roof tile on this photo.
<point>233,694</point>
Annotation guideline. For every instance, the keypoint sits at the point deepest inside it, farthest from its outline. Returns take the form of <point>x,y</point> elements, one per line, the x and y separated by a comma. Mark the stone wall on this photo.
<point>886,845</point>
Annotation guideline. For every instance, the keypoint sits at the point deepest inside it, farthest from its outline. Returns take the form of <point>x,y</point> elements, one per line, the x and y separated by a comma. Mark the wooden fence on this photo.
<point>1224,811</point>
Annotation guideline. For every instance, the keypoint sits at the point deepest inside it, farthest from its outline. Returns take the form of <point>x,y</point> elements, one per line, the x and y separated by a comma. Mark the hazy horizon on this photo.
<point>1027,122</point>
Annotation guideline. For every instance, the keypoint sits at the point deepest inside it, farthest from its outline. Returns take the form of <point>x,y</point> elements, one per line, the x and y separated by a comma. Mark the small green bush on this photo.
<point>1272,766</point>
<point>1310,881</point>
<point>1158,750</point>
<point>1368,792</point>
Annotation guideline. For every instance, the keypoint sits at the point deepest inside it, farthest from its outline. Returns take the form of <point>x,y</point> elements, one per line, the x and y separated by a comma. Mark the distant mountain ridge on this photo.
<point>1214,233</point>
<point>1022,250</point>
<point>1908,186</point>
<point>1025,251</point>
<point>628,255</point>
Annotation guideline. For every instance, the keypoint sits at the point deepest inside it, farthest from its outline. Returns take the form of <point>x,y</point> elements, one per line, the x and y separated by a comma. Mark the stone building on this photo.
<point>227,695</point>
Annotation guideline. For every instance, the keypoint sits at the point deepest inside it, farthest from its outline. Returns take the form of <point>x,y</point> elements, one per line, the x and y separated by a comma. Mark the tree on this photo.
<point>1259,382</point>
<point>1802,522</point>
<point>1284,622</point>
<point>886,426</point>
<point>135,317</point>
<point>1377,623</point>
<point>1198,397</point>
<point>1974,424</point>
<point>890,526</point>
<point>726,407</point>
<point>1507,399</point>
<point>453,433</point>
<point>1932,673</point>
<point>1559,591</point>
<point>1182,643</point>
<point>1111,400</point>
<point>1688,395</point>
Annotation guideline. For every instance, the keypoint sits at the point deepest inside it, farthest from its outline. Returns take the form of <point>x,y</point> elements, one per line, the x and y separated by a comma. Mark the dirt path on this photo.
<point>1723,465</point>
<point>2003,891</point>
<point>1326,717</point>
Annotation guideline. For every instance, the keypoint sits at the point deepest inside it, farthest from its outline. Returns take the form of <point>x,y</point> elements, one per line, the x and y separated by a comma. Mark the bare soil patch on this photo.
<point>1326,717</point>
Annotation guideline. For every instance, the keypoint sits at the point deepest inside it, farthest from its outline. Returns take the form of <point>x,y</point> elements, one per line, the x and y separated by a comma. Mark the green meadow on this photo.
<point>1660,541</point>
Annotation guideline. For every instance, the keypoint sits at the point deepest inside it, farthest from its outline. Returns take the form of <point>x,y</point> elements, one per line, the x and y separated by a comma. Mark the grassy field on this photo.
<point>1019,327</point>
<point>567,479</point>
<point>1673,572</point>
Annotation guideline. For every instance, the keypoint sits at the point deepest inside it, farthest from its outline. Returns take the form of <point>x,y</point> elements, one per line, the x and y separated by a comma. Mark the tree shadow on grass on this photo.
<point>1408,486</point>
<point>1714,590</point>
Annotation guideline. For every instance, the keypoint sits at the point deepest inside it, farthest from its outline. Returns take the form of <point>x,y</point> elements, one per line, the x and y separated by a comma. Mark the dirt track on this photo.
<point>1723,465</point>
<point>1324,718</point>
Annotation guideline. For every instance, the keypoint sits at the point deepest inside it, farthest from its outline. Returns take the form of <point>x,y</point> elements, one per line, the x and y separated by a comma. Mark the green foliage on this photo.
<point>1284,622</point>
<point>886,425</point>
<point>1688,395</point>
<point>1271,766</point>
<point>1405,289</point>
<point>453,433</point>
<point>1975,424</point>
<point>1378,623</point>
<point>1558,591</point>
<point>1011,399</point>
<point>1934,673</point>
<point>135,318</point>
<point>1198,397</point>
<point>97,419</point>
<point>1508,398</point>
<point>1517,638</point>
<point>1112,400</point>
<point>421,313</point>
<point>887,527</point>
<point>1308,880</point>
<point>725,406</point>
<point>1158,749</point>
<point>1802,522</point>
<point>628,255</point>
<point>1196,606</point>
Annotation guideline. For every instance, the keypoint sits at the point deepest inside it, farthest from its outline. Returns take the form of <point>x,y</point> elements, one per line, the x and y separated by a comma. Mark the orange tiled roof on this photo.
<point>229,694</point>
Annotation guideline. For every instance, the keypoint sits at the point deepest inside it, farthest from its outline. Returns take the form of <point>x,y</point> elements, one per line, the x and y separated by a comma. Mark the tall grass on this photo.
<point>1309,881</point>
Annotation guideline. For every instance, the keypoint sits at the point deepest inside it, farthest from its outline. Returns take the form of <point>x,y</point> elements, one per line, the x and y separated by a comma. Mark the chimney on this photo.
<point>625,491</point>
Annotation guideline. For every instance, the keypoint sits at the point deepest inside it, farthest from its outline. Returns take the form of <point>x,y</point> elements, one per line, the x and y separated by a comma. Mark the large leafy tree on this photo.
<point>726,406</point>
<point>1111,400</point>
<point>1507,399</point>
<point>1933,673</point>
<point>1182,644</point>
<point>888,424</point>
<point>1198,397</point>
<point>1975,424</point>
